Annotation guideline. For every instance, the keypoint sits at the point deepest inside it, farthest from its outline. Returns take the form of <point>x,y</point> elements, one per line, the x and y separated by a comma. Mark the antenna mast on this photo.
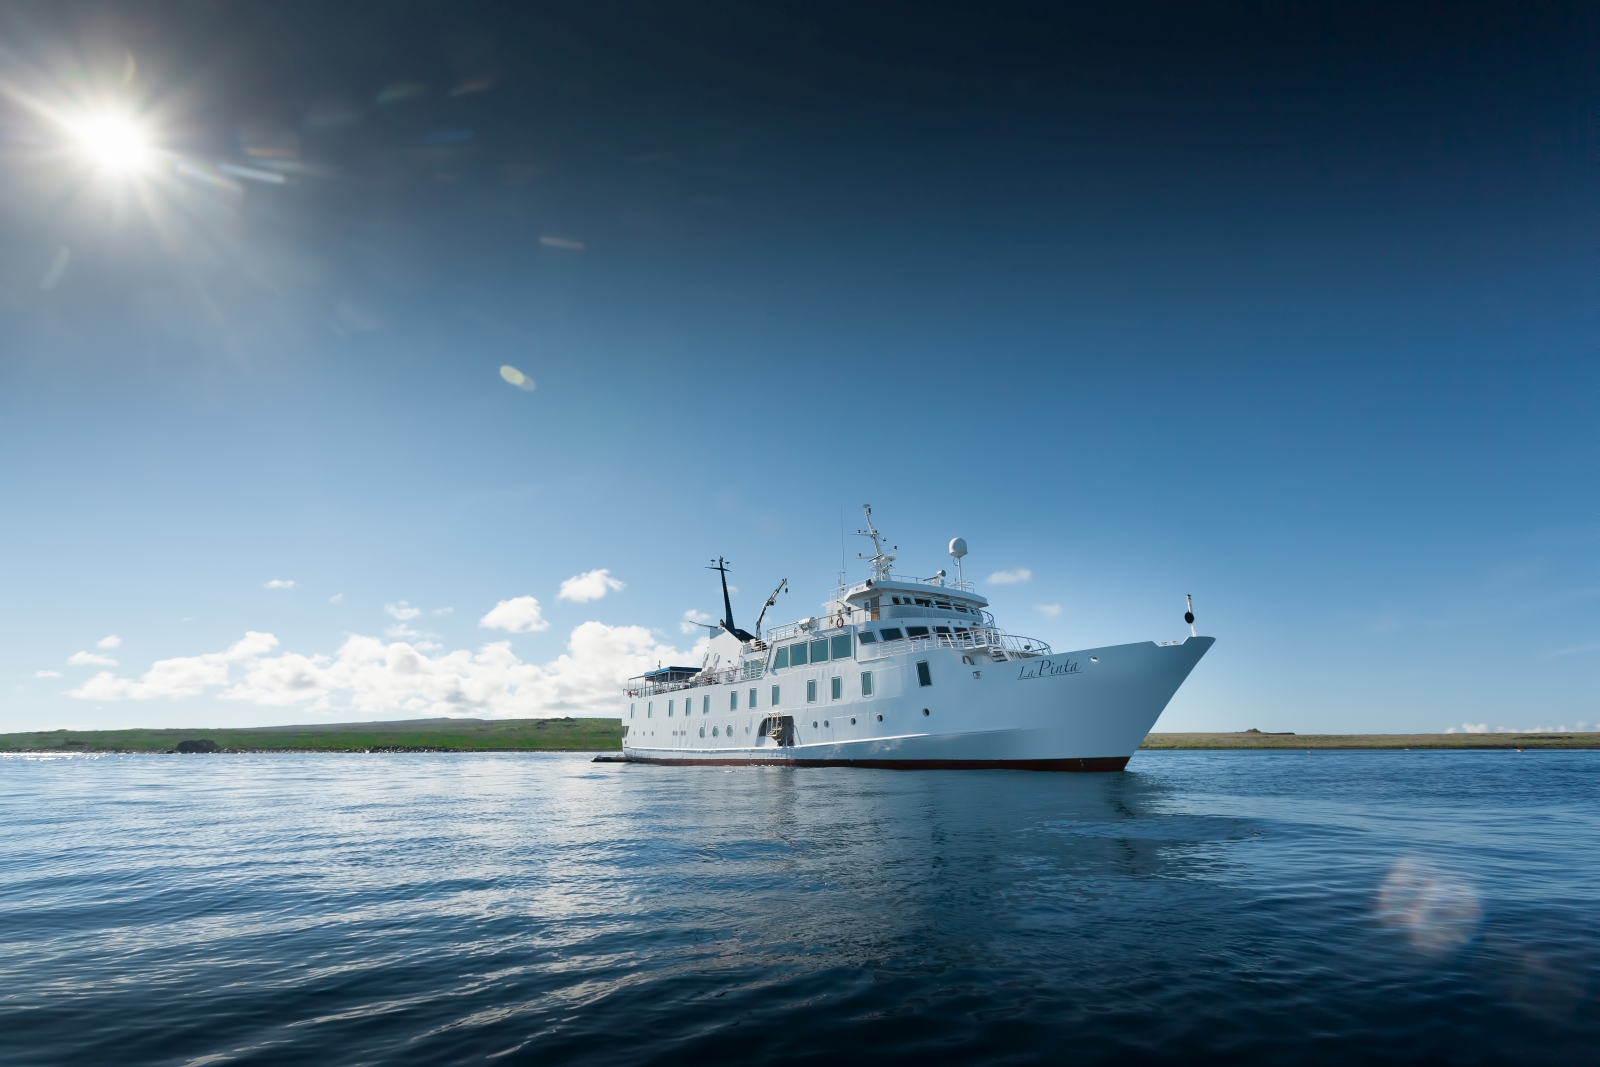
<point>879,559</point>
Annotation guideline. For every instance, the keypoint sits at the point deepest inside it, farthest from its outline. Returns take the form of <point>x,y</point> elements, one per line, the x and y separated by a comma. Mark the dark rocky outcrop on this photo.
<point>199,745</point>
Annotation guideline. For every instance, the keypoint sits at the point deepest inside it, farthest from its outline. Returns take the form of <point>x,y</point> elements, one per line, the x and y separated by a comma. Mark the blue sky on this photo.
<point>1297,317</point>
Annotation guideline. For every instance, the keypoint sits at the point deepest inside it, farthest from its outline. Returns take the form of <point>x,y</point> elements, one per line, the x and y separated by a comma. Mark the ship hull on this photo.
<point>1087,710</point>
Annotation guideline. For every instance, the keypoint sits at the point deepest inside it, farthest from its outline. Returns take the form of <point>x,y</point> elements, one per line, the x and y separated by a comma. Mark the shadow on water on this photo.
<point>451,909</point>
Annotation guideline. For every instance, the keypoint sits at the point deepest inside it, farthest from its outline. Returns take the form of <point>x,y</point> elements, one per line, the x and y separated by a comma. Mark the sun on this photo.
<point>114,142</point>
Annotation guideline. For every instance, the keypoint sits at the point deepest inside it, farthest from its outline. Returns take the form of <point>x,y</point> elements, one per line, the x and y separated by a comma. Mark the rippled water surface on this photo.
<point>1251,907</point>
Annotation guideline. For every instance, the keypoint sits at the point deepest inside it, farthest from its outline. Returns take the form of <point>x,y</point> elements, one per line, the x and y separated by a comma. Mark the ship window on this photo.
<point>880,718</point>
<point>797,655</point>
<point>892,633</point>
<point>811,691</point>
<point>649,709</point>
<point>819,651</point>
<point>713,731</point>
<point>702,731</point>
<point>752,699</point>
<point>895,599</point>
<point>866,683</point>
<point>916,631</point>
<point>630,710</point>
<point>780,659</point>
<point>774,696</point>
<point>941,629</point>
<point>867,637</point>
<point>923,677</point>
<point>924,602</point>
<point>841,646</point>
<point>825,722</point>
<point>941,604</point>
<point>705,704</point>
<point>961,607</point>
<point>838,688</point>
<point>733,703</point>
<point>624,729</point>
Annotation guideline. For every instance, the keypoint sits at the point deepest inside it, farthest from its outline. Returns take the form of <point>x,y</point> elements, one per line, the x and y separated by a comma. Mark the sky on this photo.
<point>387,361</point>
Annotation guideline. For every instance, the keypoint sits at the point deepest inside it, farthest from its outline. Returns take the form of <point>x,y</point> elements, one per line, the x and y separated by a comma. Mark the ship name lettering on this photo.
<point>1046,668</point>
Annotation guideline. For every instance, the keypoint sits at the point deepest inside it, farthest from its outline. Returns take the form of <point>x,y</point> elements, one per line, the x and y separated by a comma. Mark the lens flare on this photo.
<point>114,142</point>
<point>1437,911</point>
<point>517,378</point>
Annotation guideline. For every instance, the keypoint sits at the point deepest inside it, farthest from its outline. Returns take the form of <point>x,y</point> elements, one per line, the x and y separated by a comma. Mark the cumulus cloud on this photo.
<point>279,583</point>
<point>90,659</point>
<point>109,641</point>
<point>519,615</point>
<point>1016,577</point>
<point>1052,610</point>
<point>691,617</point>
<point>368,675</point>
<point>47,674</point>
<point>590,585</point>
<point>402,611</point>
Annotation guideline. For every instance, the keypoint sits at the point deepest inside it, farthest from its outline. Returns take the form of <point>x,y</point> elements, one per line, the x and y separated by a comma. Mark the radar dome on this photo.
<point>958,547</point>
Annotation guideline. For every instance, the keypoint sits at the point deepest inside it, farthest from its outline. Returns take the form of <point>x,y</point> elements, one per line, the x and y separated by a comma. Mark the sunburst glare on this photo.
<point>114,142</point>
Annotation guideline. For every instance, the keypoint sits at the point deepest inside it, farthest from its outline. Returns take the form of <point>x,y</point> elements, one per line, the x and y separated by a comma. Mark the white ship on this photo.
<point>905,673</point>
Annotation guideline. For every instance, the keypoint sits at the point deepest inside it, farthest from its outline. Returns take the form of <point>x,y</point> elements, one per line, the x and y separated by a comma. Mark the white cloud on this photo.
<point>1473,728</point>
<point>519,615</point>
<point>691,617</point>
<point>590,585</point>
<point>1052,610</point>
<point>279,583</point>
<point>47,674</point>
<point>337,598</point>
<point>1016,577</point>
<point>443,611</point>
<point>109,641</point>
<point>402,611</point>
<point>90,659</point>
<point>367,675</point>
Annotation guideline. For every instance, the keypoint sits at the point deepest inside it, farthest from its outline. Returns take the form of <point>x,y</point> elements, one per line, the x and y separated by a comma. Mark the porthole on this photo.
<point>714,729</point>
<point>702,731</point>
<point>924,711</point>
<point>824,722</point>
<point>813,724</point>
<point>852,722</point>
<point>880,718</point>
<point>1094,659</point>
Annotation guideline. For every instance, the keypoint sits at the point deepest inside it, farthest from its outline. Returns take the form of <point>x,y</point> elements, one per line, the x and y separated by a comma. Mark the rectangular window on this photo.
<point>752,700</point>
<point>923,677</point>
<point>866,683</point>
<point>867,637</point>
<point>811,691</point>
<point>961,607</point>
<point>797,655</point>
<point>780,659</point>
<point>838,688</point>
<point>924,602</point>
<point>819,651</point>
<point>895,599</point>
<point>891,633</point>
<point>941,604</point>
<point>941,629</point>
<point>649,709</point>
<point>669,708</point>
<point>916,631</point>
<point>872,606</point>
<point>841,646</point>
<point>774,696</point>
<point>705,704</point>
<point>733,700</point>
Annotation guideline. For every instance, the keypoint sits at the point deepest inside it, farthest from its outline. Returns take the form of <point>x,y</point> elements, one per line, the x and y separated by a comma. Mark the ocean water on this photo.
<point>1247,907</point>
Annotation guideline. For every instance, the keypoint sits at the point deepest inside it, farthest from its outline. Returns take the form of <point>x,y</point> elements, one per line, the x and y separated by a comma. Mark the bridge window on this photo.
<point>961,607</point>
<point>867,637</point>
<point>841,646</point>
<point>838,688</point>
<point>923,677</point>
<point>916,631</point>
<point>797,655</point>
<point>780,658</point>
<point>811,691</point>
<point>891,633</point>
<point>924,602</point>
<point>941,604</point>
<point>895,599</point>
<point>819,651</point>
<point>866,683</point>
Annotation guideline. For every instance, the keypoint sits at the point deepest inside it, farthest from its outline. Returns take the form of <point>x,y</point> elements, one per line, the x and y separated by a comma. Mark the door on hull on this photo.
<point>778,727</point>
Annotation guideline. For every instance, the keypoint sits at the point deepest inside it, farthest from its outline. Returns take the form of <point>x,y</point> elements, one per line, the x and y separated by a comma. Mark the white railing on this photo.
<point>749,671</point>
<point>984,638</point>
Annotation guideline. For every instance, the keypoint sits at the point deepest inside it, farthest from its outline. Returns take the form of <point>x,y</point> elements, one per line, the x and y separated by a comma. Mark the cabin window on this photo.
<point>866,683</point>
<point>733,703</point>
<point>867,637</point>
<point>941,604</point>
<point>705,704</point>
<point>941,629</point>
<point>838,688</point>
<point>774,696</point>
<point>961,607</point>
<point>895,599</point>
<point>797,655</point>
<point>702,731</point>
<point>669,708</point>
<point>891,633</point>
<point>924,602</point>
<point>630,711</point>
<point>811,691</point>
<point>649,709</point>
<point>923,677</point>
<point>916,631</point>
<point>841,646</point>
<point>752,703</point>
<point>780,659</point>
<point>819,651</point>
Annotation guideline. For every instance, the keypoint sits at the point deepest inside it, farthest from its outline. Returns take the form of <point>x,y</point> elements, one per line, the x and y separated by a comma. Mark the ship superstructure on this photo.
<point>905,672</point>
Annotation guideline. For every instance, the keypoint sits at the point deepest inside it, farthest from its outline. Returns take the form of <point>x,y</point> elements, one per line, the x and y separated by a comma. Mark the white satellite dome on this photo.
<point>958,547</point>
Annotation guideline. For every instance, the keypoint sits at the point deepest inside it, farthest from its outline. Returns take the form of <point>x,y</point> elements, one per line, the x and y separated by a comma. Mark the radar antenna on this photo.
<point>879,559</point>
<point>727,605</point>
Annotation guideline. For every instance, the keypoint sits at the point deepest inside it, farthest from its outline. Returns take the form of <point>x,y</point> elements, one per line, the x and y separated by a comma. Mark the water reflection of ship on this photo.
<point>904,672</point>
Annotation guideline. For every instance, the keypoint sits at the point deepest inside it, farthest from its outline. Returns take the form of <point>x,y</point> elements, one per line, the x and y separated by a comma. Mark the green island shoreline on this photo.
<point>605,735</point>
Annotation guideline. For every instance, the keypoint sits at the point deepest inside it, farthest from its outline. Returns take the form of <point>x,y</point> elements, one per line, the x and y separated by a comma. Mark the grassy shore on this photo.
<point>605,735</point>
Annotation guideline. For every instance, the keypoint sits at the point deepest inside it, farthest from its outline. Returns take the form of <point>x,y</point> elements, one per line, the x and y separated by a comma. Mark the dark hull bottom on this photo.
<point>1097,763</point>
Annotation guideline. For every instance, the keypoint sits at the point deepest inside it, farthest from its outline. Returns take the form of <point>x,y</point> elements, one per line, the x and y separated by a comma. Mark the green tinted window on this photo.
<point>819,651</point>
<point>841,646</point>
<point>733,699</point>
<point>780,659</point>
<point>866,683</point>
<point>774,696</point>
<point>797,655</point>
<point>838,688</point>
